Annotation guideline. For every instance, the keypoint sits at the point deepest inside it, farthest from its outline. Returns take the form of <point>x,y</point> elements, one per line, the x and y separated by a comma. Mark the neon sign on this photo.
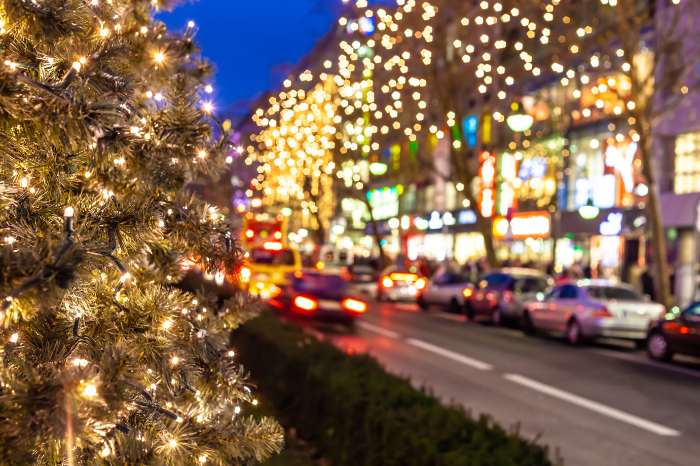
<point>613,225</point>
<point>467,217</point>
<point>622,163</point>
<point>487,176</point>
<point>523,226</point>
<point>435,222</point>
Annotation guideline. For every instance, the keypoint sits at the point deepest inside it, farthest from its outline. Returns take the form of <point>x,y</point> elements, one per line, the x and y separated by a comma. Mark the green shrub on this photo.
<point>357,414</point>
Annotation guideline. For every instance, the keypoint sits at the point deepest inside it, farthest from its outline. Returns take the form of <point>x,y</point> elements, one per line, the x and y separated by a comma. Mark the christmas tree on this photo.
<point>104,121</point>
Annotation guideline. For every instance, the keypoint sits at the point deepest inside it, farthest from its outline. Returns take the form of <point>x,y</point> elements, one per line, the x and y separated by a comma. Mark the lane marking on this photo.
<point>452,317</point>
<point>593,406</point>
<point>380,330</point>
<point>466,360</point>
<point>647,362</point>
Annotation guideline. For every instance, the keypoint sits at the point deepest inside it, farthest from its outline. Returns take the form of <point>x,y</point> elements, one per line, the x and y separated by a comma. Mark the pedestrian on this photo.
<point>648,283</point>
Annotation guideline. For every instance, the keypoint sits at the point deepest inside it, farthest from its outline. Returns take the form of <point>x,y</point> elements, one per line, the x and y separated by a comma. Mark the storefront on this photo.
<point>610,244</point>
<point>524,238</point>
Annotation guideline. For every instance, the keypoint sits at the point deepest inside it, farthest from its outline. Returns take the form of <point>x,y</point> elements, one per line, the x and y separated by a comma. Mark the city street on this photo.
<point>604,404</point>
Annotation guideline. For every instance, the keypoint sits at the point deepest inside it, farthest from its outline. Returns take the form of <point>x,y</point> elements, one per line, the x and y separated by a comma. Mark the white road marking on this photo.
<point>380,330</point>
<point>593,406</point>
<point>453,317</point>
<point>466,360</point>
<point>646,361</point>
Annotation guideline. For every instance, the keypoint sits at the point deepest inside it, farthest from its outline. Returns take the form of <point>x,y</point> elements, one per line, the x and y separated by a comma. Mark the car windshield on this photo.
<point>611,292</point>
<point>494,280</point>
<point>318,282</point>
<point>266,257</point>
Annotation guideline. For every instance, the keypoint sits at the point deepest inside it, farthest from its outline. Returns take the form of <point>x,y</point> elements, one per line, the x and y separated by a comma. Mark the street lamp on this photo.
<point>589,211</point>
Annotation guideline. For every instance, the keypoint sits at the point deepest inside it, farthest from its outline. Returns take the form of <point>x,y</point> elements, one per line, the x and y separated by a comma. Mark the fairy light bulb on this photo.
<point>90,390</point>
<point>173,444</point>
<point>208,89</point>
<point>175,360</point>
<point>14,338</point>
<point>105,451</point>
<point>159,57</point>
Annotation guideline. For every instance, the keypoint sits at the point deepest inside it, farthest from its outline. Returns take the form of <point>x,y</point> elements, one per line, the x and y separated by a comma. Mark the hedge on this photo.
<point>355,413</point>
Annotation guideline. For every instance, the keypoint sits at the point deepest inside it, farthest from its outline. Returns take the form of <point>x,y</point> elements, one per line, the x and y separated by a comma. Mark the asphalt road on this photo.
<point>600,405</point>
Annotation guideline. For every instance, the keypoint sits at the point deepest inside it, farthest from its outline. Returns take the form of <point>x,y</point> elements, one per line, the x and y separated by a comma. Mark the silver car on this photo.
<point>398,284</point>
<point>445,289</point>
<point>593,308</point>
<point>500,295</point>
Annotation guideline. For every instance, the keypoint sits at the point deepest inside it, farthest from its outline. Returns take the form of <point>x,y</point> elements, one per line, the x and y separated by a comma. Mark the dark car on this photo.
<point>677,332</point>
<point>317,295</point>
<point>501,295</point>
<point>363,278</point>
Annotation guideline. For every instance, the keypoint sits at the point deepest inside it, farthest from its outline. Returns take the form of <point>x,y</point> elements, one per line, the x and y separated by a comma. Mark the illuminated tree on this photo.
<point>105,361</point>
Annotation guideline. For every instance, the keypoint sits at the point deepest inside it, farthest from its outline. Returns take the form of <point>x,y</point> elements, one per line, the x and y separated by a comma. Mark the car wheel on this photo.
<point>496,317</point>
<point>454,307</point>
<point>422,304</point>
<point>527,325</point>
<point>657,347</point>
<point>573,333</point>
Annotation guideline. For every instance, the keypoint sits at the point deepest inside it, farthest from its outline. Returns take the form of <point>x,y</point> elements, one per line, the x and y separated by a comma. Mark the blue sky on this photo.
<point>253,42</point>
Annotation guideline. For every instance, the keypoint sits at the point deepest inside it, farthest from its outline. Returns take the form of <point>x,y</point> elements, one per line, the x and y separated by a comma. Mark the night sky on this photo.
<point>254,43</point>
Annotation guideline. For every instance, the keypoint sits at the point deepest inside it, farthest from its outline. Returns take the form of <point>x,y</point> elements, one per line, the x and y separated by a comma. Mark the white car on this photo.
<point>448,290</point>
<point>591,309</point>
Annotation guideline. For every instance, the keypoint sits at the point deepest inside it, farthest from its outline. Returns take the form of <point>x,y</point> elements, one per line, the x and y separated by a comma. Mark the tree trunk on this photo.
<point>653,208</point>
<point>466,177</point>
<point>383,258</point>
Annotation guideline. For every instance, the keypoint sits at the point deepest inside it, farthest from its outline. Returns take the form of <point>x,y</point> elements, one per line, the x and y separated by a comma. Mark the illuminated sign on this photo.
<point>604,192</point>
<point>467,217</point>
<point>470,126</point>
<point>622,163</point>
<point>613,225</point>
<point>385,202</point>
<point>523,226</point>
<point>435,222</point>
<point>535,167</point>
<point>420,223</point>
<point>487,176</point>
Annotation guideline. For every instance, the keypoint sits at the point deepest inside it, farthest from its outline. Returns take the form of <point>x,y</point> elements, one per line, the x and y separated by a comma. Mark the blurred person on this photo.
<point>647,280</point>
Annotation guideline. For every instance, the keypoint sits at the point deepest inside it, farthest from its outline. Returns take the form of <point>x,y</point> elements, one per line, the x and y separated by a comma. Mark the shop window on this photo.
<point>429,198</point>
<point>450,196</point>
<point>409,199</point>
<point>687,170</point>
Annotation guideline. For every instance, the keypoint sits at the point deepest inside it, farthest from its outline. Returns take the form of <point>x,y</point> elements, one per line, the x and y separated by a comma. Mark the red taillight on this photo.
<point>272,246</point>
<point>601,313</point>
<point>467,292</point>
<point>354,305</point>
<point>306,304</point>
<point>420,284</point>
<point>387,282</point>
<point>275,291</point>
<point>249,233</point>
<point>508,297</point>
<point>684,330</point>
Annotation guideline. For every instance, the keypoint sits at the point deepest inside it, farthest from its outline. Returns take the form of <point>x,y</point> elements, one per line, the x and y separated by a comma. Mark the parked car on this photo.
<point>362,278</point>
<point>676,332</point>
<point>445,289</point>
<point>317,295</point>
<point>593,308</point>
<point>398,284</point>
<point>500,295</point>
